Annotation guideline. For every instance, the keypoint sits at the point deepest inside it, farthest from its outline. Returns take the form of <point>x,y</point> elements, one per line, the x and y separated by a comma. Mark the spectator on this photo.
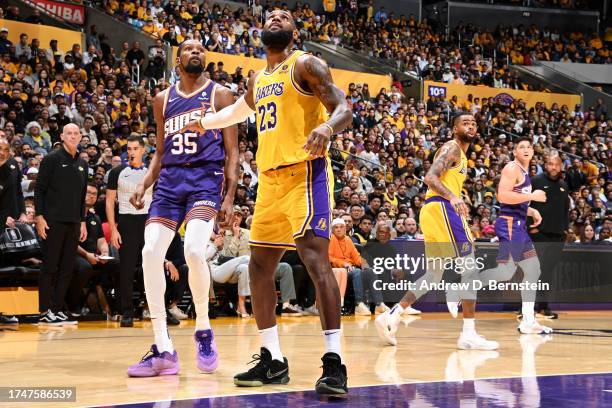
<point>93,257</point>
<point>346,262</point>
<point>177,272</point>
<point>12,208</point>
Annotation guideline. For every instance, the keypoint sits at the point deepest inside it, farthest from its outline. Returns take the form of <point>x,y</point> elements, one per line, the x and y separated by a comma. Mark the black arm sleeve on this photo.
<point>20,199</point>
<point>47,167</point>
<point>113,178</point>
<point>86,173</point>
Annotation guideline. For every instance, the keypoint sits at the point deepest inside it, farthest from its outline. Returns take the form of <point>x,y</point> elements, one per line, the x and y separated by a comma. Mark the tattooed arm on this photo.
<point>448,156</point>
<point>313,74</point>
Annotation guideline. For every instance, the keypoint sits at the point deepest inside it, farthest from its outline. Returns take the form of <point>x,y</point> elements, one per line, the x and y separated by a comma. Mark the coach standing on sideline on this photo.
<point>60,221</point>
<point>551,232</point>
<point>127,232</point>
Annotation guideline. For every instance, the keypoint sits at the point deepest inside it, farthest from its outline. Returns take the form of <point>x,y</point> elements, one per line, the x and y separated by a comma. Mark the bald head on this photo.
<point>71,136</point>
<point>5,150</point>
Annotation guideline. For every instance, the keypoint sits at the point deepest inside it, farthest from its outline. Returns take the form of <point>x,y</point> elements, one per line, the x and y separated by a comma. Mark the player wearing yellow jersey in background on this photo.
<point>294,200</point>
<point>447,235</point>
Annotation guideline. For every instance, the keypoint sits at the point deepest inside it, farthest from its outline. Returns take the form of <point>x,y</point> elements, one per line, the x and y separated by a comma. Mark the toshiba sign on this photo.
<point>69,12</point>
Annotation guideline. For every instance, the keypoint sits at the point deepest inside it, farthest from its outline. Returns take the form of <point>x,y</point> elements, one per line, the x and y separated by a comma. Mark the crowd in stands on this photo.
<point>468,55</point>
<point>379,163</point>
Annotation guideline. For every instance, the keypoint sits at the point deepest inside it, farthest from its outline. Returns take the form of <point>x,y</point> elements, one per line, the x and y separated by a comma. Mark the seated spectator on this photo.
<point>230,255</point>
<point>176,271</point>
<point>92,257</point>
<point>346,262</point>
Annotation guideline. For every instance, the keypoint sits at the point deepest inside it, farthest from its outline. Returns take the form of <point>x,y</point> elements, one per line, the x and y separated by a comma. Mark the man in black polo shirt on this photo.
<point>551,232</point>
<point>92,255</point>
<point>60,222</point>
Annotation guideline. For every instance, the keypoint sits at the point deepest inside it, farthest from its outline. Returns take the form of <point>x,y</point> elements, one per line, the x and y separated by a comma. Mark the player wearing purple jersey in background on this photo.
<point>192,170</point>
<point>515,246</point>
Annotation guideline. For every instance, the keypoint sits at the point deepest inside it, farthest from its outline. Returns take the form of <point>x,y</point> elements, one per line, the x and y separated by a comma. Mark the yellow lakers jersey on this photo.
<point>285,115</point>
<point>452,178</point>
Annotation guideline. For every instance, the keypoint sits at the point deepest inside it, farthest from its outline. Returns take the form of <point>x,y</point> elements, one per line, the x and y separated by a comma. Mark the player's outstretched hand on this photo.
<point>318,140</point>
<point>537,218</point>
<point>226,214</point>
<point>193,126</point>
<point>460,206</point>
<point>137,199</point>
<point>538,195</point>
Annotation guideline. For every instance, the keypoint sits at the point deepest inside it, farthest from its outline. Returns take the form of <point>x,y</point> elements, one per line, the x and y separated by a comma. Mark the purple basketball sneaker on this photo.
<point>206,351</point>
<point>153,364</point>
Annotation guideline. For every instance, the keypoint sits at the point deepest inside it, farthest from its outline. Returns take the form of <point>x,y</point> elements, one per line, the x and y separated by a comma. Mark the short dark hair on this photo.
<point>136,138</point>
<point>458,116</point>
<point>523,139</point>
<point>366,217</point>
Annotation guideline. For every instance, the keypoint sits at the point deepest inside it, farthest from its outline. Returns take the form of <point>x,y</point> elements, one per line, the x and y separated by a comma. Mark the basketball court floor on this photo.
<point>572,367</point>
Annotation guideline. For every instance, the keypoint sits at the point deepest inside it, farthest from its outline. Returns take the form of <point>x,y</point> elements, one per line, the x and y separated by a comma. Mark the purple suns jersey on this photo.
<point>190,148</point>
<point>518,211</point>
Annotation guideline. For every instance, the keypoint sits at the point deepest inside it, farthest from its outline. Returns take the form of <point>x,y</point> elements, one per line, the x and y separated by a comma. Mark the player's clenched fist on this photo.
<point>460,206</point>
<point>318,140</point>
<point>193,126</point>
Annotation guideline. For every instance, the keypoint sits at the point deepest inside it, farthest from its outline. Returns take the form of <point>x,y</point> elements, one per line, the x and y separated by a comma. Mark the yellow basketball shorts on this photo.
<point>292,200</point>
<point>446,233</point>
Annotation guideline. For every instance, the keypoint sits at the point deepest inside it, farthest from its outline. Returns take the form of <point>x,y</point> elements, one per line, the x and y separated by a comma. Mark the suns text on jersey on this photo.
<point>174,124</point>
<point>272,89</point>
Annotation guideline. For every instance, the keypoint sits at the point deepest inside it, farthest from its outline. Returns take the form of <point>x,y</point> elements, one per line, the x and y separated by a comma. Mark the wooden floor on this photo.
<point>94,357</point>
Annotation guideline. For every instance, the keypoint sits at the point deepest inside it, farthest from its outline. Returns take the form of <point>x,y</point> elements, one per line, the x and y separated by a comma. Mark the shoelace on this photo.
<point>147,357</point>
<point>259,366</point>
<point>330,369</point>
<point>204,345</point>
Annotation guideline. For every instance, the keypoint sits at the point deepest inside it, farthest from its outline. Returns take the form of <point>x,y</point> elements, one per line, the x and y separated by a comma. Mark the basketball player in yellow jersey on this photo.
<point>447,235</point>
<point>291,99</point>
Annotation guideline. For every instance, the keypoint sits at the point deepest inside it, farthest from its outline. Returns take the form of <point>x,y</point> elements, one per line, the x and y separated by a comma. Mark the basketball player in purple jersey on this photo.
<point>515,246</point>
<point>189,169</point>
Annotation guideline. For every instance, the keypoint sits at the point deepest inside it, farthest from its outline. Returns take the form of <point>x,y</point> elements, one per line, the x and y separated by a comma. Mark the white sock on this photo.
<point>286,305</point>
<point>157,241</point>
<point>197,233</point>
<point>469,326</point>
<point>341,302</point>
<point>269,340</point>
<point>162,337</point>
<point>528,313</point>
<point>397,310</point>
<point>332,341</point>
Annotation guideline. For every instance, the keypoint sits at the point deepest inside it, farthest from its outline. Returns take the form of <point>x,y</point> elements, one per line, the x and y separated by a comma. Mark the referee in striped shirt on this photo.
<point>127,230</point>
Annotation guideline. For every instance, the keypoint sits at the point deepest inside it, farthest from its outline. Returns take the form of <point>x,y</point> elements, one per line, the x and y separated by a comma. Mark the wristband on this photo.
<point>200,123</point>
<point>331,129</point>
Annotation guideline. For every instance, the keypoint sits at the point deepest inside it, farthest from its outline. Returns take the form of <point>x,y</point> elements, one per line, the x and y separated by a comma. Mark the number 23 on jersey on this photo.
<point>266,114</point>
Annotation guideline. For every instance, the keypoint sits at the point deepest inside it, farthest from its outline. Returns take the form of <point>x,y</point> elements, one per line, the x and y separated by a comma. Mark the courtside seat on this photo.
<point>9,273</point>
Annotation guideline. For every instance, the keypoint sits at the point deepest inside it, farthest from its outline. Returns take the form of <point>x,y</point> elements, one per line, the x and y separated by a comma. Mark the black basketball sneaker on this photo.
<point>333,382</point>
<point>266,371</point>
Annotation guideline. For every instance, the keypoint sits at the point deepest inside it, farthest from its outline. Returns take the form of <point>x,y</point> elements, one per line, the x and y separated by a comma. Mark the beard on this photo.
<point>194,68</point>
<point>277,40</point>
<point>465,138</point>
